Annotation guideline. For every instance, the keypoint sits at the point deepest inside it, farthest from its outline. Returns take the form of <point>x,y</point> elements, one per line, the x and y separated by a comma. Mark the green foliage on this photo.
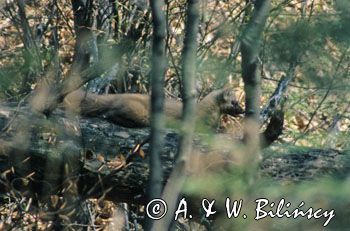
<point>11,78</point>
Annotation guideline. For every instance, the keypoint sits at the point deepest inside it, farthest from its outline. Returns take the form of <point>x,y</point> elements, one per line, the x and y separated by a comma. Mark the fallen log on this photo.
<point>40,157</point>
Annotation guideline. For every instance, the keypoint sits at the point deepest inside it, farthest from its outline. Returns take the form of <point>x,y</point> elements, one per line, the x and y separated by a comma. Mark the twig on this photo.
<point>14,116</point>
<point>328,91</point>
<point>317,108</point>
<point>92,219</point>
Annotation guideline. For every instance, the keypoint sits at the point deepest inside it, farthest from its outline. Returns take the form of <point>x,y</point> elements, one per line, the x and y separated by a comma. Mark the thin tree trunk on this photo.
<point>157,100</point>
<point>174,186</point>
<point>250,51</point>
<point>85,50</point>
<point>32,59</point>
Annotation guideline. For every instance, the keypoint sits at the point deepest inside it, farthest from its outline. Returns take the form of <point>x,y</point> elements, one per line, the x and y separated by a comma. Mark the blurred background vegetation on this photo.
<point>307,40</point>
<point>312,35</point>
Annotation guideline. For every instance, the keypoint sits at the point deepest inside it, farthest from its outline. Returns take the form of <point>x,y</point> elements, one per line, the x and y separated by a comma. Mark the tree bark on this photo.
<point>158,62</point>
<point>250,46</point>
<point>172,189</point>
<point>250,50</point>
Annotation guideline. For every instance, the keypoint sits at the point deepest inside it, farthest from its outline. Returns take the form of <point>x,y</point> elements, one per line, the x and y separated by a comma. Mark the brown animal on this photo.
<point>133,110</point>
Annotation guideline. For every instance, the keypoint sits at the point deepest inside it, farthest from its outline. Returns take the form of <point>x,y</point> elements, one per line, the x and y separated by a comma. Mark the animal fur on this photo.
<point>133,110</point>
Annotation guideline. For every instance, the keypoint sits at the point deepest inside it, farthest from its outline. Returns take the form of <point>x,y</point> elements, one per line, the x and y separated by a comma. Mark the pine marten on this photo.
<point>133,110</point>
